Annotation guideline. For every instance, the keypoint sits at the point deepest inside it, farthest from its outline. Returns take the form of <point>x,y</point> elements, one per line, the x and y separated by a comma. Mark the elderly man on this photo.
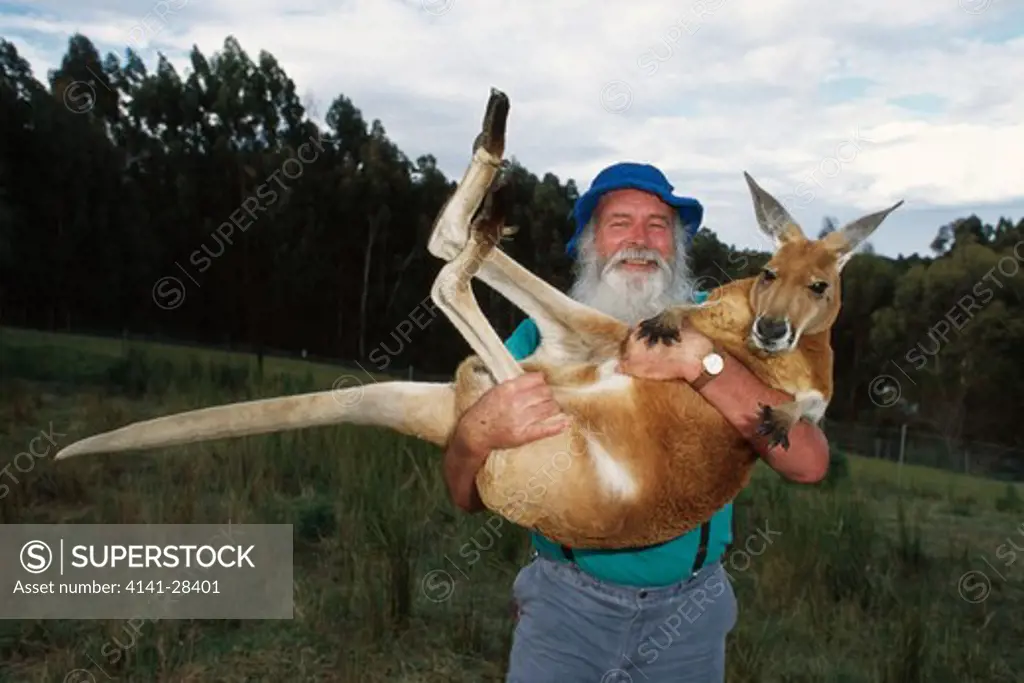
<point>646,614</point>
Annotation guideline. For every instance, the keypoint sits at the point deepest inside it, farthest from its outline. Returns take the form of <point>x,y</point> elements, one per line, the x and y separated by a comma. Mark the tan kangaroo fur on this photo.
<point>644,460</point>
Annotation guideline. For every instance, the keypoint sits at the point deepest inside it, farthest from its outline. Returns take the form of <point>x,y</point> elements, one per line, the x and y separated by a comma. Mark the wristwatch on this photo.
<point>711,366</point>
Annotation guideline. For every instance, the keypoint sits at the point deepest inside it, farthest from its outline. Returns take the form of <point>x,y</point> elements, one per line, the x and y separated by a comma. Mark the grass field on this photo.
<point>861,582</point>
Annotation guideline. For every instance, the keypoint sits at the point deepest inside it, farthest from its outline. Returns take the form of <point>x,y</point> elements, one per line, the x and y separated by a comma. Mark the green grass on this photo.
<point>77,356</point>
<point>860,586</point>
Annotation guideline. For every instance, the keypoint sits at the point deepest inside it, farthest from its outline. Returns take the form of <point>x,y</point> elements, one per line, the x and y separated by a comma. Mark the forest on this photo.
<point>207,207</point>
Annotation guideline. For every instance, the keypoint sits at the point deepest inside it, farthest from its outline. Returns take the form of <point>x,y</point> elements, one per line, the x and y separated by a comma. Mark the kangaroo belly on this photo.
<point>646,462</point>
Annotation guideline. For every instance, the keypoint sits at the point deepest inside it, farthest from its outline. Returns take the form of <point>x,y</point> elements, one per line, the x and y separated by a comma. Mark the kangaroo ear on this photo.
<point>844,242</point>
<point>774,220</point>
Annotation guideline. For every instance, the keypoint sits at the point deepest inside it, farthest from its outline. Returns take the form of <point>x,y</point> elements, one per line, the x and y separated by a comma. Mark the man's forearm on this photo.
<point>737,393</point>
<point>461,463</point>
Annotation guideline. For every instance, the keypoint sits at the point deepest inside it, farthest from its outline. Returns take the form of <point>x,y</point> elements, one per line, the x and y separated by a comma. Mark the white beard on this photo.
<point>630,296</point>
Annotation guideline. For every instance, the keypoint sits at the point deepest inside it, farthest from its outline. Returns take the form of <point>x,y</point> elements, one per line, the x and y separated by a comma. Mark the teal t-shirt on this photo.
<point>659,565</point>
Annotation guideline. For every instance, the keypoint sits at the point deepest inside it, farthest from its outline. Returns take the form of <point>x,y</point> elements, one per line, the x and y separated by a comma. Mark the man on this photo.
<point>646,614</point>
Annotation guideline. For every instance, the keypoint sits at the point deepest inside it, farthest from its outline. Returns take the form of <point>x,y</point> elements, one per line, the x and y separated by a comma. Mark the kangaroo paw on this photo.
<point>661,329</point>
<point>776,423</point>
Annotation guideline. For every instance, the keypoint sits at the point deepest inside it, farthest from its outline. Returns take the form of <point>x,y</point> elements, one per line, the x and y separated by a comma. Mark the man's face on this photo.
<point>629,266</point>
<point>634,219</point>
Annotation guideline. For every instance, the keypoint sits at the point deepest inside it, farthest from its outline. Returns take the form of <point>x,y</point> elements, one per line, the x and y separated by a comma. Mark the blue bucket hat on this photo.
<point>638,177</point>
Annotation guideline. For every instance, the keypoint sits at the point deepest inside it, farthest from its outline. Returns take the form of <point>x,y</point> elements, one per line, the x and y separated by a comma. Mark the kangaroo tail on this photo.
<point>424,410</point>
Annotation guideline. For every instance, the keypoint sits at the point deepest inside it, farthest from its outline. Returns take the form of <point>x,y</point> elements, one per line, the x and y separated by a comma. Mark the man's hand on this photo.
<point>673,360</point>
<point>511,414</point>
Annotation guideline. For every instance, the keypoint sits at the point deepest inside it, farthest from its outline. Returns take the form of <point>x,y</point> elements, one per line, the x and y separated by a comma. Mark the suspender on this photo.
<point>698,561</point>
<point>702,550</point>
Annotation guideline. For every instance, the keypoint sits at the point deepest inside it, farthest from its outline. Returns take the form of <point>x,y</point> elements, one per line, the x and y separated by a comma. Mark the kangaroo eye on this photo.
<point>819,287</point>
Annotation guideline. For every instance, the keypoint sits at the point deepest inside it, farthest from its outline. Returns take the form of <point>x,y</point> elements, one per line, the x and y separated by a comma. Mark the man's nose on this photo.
<point>637,235</point>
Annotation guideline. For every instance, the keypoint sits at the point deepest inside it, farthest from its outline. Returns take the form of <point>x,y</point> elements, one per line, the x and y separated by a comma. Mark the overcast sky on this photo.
<point>838,108</point>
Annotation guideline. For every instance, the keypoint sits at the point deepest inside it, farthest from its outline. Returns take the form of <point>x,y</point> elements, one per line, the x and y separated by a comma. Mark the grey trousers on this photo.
<point>573,628</point>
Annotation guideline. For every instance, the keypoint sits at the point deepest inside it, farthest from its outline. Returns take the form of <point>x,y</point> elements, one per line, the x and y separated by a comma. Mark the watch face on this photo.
<point>713,363</point>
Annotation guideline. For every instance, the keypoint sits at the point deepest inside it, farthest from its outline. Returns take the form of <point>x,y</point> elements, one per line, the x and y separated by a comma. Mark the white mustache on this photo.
<point>635,253</point>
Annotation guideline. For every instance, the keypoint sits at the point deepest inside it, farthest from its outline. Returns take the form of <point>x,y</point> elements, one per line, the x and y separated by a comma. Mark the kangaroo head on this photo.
<point>798,291</point>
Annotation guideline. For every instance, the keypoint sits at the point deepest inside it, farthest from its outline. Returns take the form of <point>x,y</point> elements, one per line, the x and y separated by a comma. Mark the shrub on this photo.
<point>838,468</point>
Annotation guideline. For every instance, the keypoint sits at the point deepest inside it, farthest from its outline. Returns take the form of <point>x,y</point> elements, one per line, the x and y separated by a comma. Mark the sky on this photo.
<point>836,108</point>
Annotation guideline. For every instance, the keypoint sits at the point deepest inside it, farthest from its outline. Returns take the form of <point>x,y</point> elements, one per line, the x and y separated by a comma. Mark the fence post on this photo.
<point>410,373</point>
<point>903,450</point>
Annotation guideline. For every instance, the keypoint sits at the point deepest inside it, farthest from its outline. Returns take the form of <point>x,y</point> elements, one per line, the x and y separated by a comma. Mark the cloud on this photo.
<point>837,108</point>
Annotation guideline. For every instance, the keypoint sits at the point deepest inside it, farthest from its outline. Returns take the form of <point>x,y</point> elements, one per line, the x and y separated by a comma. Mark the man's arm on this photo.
<point>737,393</point>
<point>461,464</point>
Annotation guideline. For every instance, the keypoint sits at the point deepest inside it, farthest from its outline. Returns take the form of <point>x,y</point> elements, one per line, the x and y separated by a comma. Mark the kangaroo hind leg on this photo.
<point>570,331</point>
<point>454,296</point>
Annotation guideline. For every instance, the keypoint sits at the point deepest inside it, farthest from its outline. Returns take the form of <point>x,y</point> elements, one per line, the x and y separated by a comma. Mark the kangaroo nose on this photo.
<point>771,329</point>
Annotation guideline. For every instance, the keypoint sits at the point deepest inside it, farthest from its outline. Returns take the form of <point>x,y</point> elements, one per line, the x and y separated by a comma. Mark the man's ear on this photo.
<point>774,220</point>
<point>844,242</point>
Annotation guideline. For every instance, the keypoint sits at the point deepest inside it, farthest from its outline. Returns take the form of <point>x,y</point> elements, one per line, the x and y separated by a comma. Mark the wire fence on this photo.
<point>914,447</point>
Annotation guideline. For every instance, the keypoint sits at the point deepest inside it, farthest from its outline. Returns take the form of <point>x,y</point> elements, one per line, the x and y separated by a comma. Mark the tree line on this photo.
<point>209,207</point>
